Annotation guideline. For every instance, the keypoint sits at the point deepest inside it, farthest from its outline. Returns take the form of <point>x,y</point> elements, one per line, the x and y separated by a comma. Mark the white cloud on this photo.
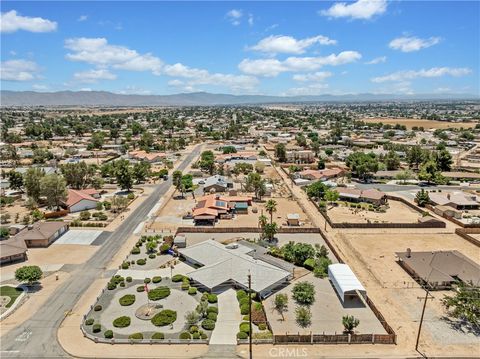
<point>412,43</point>
<point>18,70</point>
<point>376,60</point>
<point>234,16</point>
<point>442,90</point>
<point>290,45</point>
<point>11,22</point>
<point>134,90</point>
<point>82,18</point>
<point>39,87</point>
<point>361,9</point>
<point>97,51</point>
<point>317,76</point>
<point>273,67</point>
<point>423,73</point>
<point>250,19</point>
<point>314,89</point>
<point>85,89</point>
<point>91,76</point>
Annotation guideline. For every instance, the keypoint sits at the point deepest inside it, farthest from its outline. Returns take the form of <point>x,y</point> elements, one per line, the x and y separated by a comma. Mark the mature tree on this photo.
<point>78,175</point>
<point>187,182</point>
<point>316,190</point>
<point>315,147</point>
<point>281,303</point>
<point>207,162</point>
<point>329,151</point>
<point>303,316</point>
<point>32,180</point>
<point>271,207</point>
<point>229,149</point>
<point>298,253</point>
<point>303,293</point>
<point>429,172</point>
<point>363,165</point>
<point>444,160</point>
<point>301,140</point>
<point>146,141</point>
<point>269,230</point>
<point>422,198</point>
<point>124,174</point>
<point>281,152</point>
<point>464,305</point>
<point>119,203</point>
<point>141,171</point>
<point>321,164</point>
<point>331,195</point>
<point>177,180</point>
<point>255,183</point>
<point>350,323</point>
<point>415,156</point>
<point>29,274</point>
<point>404,175</point>
<point>97,140</point>
<point>54,188</point>
<point>15,179</point>
<point>391,160</point>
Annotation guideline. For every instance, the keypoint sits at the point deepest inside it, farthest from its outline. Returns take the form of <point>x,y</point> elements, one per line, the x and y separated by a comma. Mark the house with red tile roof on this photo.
<point>210,208</point>
<point>82,200</point>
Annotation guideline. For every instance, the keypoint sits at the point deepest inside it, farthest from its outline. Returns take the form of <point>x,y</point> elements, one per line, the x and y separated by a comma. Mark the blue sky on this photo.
<point>275,48</point>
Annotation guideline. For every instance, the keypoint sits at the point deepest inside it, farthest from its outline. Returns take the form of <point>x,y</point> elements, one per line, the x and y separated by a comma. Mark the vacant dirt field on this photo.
<point>396,213</point>
<point>411,122</point>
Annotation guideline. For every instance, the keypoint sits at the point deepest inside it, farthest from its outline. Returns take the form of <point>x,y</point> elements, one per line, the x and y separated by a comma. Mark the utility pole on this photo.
<point>421,318</point>
<point>250,315</point>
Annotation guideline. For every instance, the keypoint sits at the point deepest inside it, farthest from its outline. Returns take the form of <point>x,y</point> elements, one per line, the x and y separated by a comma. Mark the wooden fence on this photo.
<point>334,339</point>
<point>55,214</point>
<point>465,234</point>
<point>244,230</point>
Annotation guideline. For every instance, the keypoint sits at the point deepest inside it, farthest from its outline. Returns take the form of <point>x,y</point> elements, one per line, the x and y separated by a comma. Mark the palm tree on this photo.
<point>270,230</point>
<point>270,207</point>
<point>262,221</point>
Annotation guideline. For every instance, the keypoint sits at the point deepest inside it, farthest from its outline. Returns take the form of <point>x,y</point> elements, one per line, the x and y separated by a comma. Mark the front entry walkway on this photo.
<point>228,321</point>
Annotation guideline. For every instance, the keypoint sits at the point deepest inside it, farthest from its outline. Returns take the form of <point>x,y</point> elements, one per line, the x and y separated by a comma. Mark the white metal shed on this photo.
<point>345,281</point>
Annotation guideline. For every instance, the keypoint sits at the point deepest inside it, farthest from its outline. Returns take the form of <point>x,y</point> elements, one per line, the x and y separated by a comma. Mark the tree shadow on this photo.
<point>461,326</point>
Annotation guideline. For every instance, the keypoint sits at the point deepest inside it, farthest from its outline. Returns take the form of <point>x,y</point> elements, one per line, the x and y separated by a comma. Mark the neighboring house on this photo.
<point>217,183</point>
<point>12,250</point>
<point>210,208</point>
<point>42,234</point>
<point>82,200</point>
<point>151,157</point>
<point>238,157</point>
<point>448,211</point>
<point>320,175</point>
<point>300,156</point>
<point>373,196</point>
<point>457,200</point>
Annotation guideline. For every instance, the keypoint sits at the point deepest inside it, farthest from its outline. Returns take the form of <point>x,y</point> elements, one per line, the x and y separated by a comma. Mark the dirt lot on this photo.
<point>411,122</point>
<point>396,213</point>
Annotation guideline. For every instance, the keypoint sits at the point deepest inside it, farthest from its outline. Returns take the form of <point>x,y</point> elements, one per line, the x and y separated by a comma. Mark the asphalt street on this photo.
<point>36,338</point>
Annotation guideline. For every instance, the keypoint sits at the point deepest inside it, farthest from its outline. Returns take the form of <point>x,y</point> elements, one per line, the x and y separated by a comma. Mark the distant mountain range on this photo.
<point>103,98</point>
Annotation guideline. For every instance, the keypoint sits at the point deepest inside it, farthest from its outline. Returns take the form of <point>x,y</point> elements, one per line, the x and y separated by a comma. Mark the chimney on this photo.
<point>409,252</point>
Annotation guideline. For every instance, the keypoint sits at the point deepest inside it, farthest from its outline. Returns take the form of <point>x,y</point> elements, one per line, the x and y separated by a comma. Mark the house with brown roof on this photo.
<point>12,250</point>
<point>457,200</point>
<point>371,195</point>
<point>82,200</point>
<point>320,175</point>
<point>151,157</point>
<point>42,234</point>
<point>210,208</point>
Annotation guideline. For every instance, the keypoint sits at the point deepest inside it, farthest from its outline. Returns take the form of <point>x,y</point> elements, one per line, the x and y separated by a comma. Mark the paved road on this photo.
<point>37,338</point>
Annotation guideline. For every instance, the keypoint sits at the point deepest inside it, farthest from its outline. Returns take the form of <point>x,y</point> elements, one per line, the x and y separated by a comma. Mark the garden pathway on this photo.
<point>229,319</point>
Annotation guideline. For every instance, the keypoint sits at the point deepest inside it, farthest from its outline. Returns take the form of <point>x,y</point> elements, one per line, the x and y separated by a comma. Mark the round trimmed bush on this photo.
<point>96,328</point>
<point>141,288</point>
<point>97,308</point>
<point>129,279</point>
<point>165,317</point>
<point>212,309</point>
<point>136,250</point>
<point>89,321</point>
<point>177,278</point>
<point>158,335</point>
<point>152,256</point>
<point>204,296</point>
<point>212,316</point>
<point>137,336</point>
<point>243,301</point>
<point>262,326</point>
<point>212,298</point>
<point>196,335</point>
<point>141,262</point>
<point>192,290</point>
<point>203,335</point>
<point>246,318</point>
<point>122,284</point>
<point>164,248</point>
<point>158,293</point>
<point>156,279</point>
<point>111,286</point>
<point>241,294</point>
<point>108,334</point>
<point>185,286</point>
<point>245,309</point>
<point>245,327</point>
<point>208,324</point>
<point>127,299</point>
<point>147,280</point>
<point>185,335</point>
<point>125,265</point>
<point>121,322</point>
<point>193,329</point>
<point>242,335</point>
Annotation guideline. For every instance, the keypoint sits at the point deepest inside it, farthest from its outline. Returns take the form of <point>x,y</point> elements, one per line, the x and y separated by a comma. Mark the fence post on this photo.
<point>349,338</point>
<point>373,338</point>
<point>311,338</point>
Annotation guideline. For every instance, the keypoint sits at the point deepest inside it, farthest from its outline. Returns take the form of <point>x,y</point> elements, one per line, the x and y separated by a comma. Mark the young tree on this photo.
<point>271,207</point>
<point>15,179</point>
<point>303,316</point>
<point>177,180</point>
<point>422,198</point>
<point>404,176</point>
<point>391,160</point>
<point>331,196</point>
<point>281,303</point>
<point>29,274</point>
<point>262,221</point>
<point>141,170</point>
<point>316,190</point>
<point>429,172</point>
<point>350,323</point>
<point>464,305</point>
<point>269,230</point>
<point>54,188</point>
<point>192,317</point>
<point>281,152</point>
<point>303,293</point>
<point>321,164</point>
<point>32,180</point>
<point>124,174</point>
<point>207,161</point>
<point>255,183</point>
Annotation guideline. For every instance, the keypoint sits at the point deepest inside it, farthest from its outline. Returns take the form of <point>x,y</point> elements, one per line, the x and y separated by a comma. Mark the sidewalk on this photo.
<point>228,320</point>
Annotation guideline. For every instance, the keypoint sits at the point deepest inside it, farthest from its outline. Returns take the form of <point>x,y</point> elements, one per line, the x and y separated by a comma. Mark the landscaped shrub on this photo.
<point>128,279</point>
<point>245,309</point>
<point>130,196</point>
<point>136,336</point>
<point>147,280</point>
<point>212,309</point>
<point>158,335</point>
<point>212,316</point>
<point>96,328</point>
<point>242,335</point>
<point>203,335</point>
<point>192,290</point>
<point>185,335</point>
<point>212,298</point>
<point>262,326</point>
<point>111,286</point>
<point>158,293</point>
<point>208,324</point>
<point>246,317</point>
<point>309,263</point>
<point>204,296</point>
<point>141,262</point>
<point>241,294</point>
<point>141,288</point>
<point>125,265</point>
<point>165,317</point>
<point>156,279</point>
<point>136,250</point>
<point>97,308</point>
<point>127,299</point>
<point>121,322</point>
<point>122,284</point>
<point>108,334</point>
<point>244,301</point>
<point>164,247</point>
<point>245,327</point>
<point>196,335</point>
<point>177,278</point>
<point>152,256</point>
<point>185,286</point>
<point>89,321</point>
<point>193,329</point>
<point>303,293</point>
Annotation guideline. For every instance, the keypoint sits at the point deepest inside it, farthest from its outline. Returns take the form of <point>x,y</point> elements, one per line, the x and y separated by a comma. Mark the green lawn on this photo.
<point>11,292</point>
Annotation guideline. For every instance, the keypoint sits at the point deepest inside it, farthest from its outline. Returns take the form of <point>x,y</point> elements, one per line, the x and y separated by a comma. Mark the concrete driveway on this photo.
<point>79,236</point>
<point>228,320</point>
